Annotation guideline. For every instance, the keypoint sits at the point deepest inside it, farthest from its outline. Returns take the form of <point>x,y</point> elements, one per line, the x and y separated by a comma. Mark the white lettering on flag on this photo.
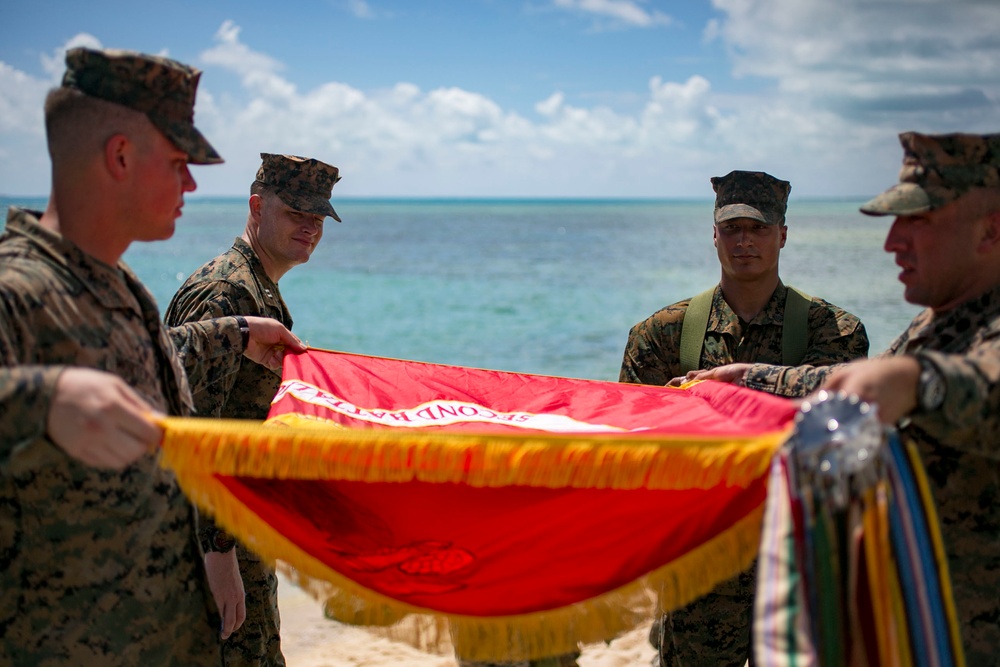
<point>437,413</point>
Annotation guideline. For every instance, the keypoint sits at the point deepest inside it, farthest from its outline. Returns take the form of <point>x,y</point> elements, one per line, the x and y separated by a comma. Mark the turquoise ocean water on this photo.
<point>535,286</point>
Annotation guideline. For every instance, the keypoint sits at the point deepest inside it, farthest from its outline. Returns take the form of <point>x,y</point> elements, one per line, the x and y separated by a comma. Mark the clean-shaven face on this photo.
<point>748,249</point>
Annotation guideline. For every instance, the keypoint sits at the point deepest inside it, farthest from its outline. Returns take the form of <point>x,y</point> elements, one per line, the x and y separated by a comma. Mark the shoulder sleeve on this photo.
<point>25,389</point>
<point>652,352</point>
<point>969,418</point>
<point>211,358</point>
<point>207,300</point>
<point>835,336</point>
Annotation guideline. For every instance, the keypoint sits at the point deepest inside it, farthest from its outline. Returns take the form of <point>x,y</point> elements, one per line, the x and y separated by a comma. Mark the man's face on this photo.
<point>748,249</point>
<point>161,179</point>
<point>936,252</point>
<point>287,235</point>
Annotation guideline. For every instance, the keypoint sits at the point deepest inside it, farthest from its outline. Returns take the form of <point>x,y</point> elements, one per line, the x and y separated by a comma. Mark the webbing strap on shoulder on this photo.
<point>795,331</point>
<point>693,330</point>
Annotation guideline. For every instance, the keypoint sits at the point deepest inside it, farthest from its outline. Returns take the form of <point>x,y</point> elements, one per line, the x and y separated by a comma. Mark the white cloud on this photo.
<point>55,64</point>
<point>930,63</point>
<point>21,112</point>
<point>836,86</point>
<point>550,106</point>
<point>360,9</point>
<point>622,12</point>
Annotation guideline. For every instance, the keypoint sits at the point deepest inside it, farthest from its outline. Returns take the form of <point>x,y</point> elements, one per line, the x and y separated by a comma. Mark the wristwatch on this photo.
<point>931,386</point>
<point>244,330</point>
<point>219,541</point>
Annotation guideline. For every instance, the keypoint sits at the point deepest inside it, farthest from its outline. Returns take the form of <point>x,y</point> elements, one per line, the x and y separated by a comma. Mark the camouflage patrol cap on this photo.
<point>937,169</point>
<point>303,183</point>
<point>161,88</point>
<point>750,194</point>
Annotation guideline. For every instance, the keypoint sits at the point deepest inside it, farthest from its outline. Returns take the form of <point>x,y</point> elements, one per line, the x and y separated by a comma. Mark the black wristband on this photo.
<point>244,330</point>
<point>219,541</point>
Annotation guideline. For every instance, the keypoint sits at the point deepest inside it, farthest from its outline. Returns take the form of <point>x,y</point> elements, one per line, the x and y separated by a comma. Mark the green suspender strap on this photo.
<point>794,334</point>
<point>693,330</point>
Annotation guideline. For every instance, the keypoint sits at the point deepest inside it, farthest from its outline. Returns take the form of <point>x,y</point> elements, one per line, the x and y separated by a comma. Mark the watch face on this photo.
<point>223,541</point>
<point>932,387</point>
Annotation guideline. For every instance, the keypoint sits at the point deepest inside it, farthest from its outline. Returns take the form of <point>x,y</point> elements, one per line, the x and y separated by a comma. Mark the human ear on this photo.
<point>118,156</point>
<point>255,203</point>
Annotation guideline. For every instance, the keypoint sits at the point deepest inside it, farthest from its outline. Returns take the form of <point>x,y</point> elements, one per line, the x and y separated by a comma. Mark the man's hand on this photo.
<point>227,589</point>
<point>269,341</point>
<point>730,373</point>
<point>890,383</point>
<point>99,420</point>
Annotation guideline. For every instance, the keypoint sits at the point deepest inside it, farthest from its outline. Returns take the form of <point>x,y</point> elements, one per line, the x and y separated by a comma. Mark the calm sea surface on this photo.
<point>534,286</point>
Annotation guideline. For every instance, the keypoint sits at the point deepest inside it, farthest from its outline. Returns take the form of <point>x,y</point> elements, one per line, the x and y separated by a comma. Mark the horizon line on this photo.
<point>496,198</point>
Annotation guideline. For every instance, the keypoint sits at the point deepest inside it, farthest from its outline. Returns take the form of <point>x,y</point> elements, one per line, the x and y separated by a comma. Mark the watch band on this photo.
<point>244,330</point>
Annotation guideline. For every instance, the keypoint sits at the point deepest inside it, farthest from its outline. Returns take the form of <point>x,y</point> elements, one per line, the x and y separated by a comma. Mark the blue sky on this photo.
<point>600,98</point>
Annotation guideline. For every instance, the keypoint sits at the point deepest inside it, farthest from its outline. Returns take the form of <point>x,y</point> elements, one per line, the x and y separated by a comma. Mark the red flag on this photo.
<point>516,514</point>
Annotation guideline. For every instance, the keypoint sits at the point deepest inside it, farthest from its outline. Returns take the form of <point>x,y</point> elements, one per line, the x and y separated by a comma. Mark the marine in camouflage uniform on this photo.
<point>956,421</point>
<point>238,283</point>
<point>100,566</point>
<point>715,629</point>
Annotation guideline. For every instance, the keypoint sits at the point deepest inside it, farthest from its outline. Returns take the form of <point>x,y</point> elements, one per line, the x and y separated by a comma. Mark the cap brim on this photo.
<point>190,140</point>
<point>316,205</point>
<point>900,199</point>
<point>733,211</point>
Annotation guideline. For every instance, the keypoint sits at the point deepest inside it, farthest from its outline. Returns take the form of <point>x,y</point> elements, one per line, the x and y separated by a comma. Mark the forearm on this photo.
<point>25,396</point>
<point>789,381</point>
<point>210,350</point>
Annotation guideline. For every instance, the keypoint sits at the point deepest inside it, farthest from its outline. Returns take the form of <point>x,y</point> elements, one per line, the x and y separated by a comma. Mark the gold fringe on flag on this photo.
<point>198,449</point>
<point>324,450</point>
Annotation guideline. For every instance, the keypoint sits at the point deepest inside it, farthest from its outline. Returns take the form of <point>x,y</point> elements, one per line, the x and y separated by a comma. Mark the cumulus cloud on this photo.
<point>833,87</point>
<point>405,140</point>
<point>932,63</point>
<point>55,64</point>
<point>620,12</point>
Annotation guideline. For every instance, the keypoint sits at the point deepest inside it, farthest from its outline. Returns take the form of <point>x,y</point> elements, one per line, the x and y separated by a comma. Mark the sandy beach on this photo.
<point>310,640</point>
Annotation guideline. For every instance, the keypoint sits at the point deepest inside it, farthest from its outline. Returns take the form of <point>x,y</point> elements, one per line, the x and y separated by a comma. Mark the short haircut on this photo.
<point>259,188</point>
<point>77,125</point>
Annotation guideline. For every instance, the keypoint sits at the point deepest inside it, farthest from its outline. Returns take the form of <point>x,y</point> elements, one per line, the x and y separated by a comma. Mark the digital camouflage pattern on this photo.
<point>161,88</point>
<point>959,444</point>
<point>712,630</point>
<point>715,629</point>
<point>938,169</point>
<point>235,283</point>
<point>652,354</point>
<point>751,194</point>
<point>96,566</point>
<point>305,184</point>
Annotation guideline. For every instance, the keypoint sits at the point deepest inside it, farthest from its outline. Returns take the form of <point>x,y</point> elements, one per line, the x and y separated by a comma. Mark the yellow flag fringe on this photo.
<point>271,450</point>
<point>197,449</point>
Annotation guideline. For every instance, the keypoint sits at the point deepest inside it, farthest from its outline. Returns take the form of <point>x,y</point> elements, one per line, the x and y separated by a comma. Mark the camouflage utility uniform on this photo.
<point>960,447</point>
<point>235,283</point>
<point>652,354</point>
<point>715,629</point>
<point>97,567</point>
